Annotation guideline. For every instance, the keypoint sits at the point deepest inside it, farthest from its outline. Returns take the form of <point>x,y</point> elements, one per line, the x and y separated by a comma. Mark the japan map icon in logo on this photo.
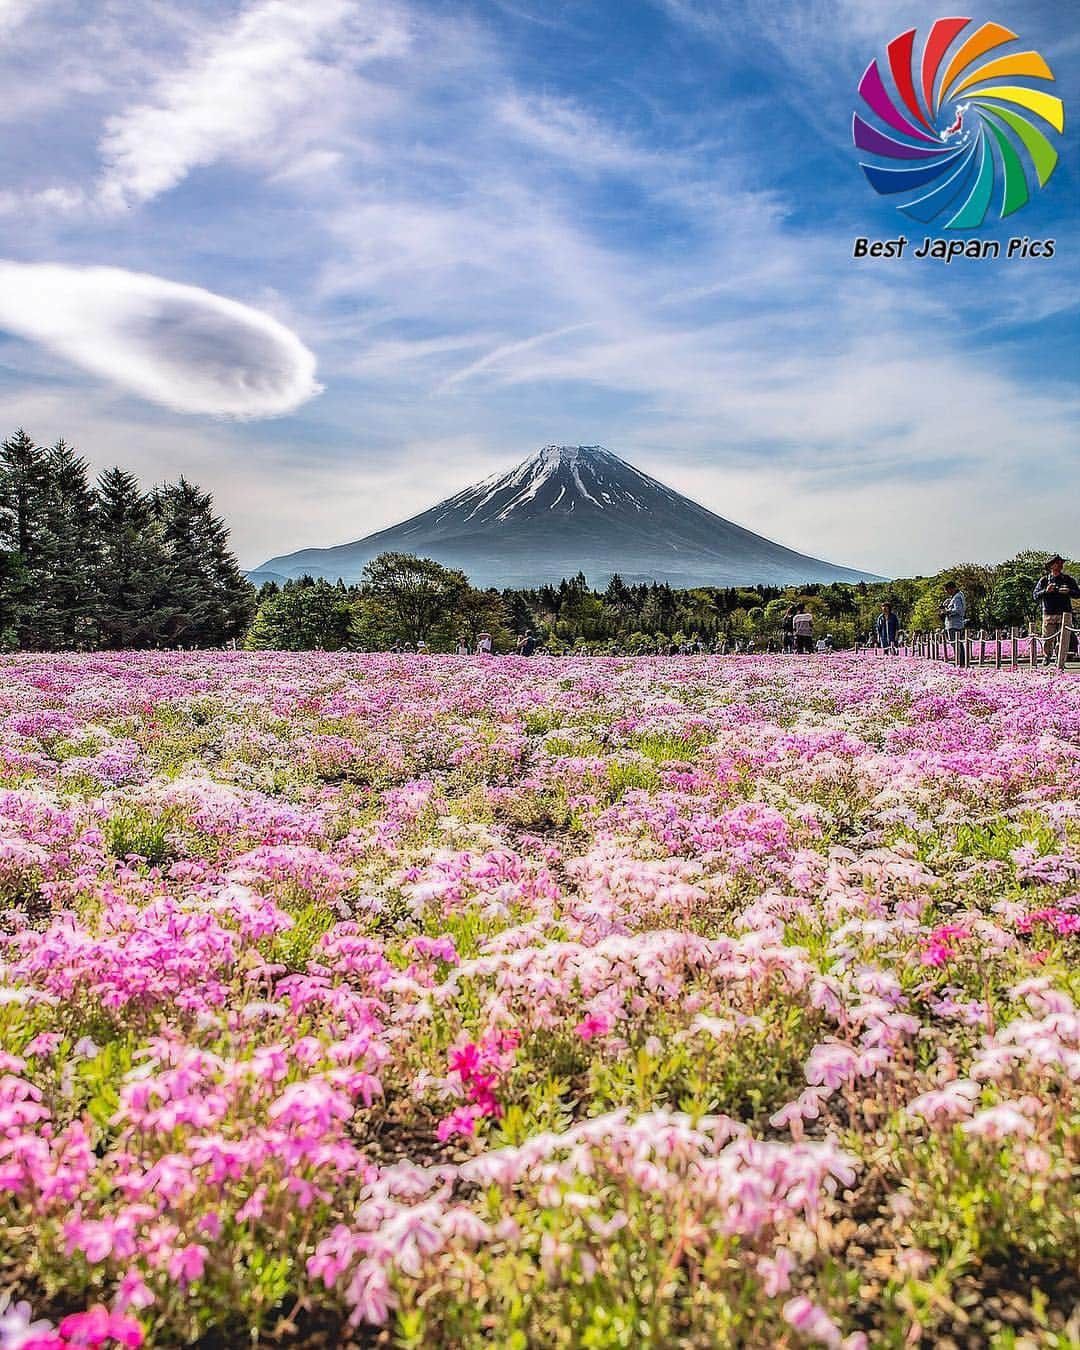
<point>972,145</point>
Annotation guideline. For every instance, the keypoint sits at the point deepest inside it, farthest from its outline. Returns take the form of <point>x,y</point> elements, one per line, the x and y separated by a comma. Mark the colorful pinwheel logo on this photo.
<point>968,152</point>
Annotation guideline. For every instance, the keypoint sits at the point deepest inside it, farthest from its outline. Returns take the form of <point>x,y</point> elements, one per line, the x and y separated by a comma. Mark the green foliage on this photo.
<point>142,832</point>
<point>416,593</point>
<point>110,566</point>
<point>406,599</point>
<point>305,615</point>
<point>295,946</point>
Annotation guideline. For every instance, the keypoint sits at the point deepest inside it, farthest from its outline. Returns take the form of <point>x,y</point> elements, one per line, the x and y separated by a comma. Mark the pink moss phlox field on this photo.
<point>575,1002</point>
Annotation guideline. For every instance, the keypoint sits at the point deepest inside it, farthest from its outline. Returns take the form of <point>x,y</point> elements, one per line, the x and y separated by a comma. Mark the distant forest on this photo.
<point>404,600</point>
<point>107,564</point>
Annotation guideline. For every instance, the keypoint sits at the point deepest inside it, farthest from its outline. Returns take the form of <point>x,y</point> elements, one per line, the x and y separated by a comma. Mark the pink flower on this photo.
<point>831,1064</point>
<point>133,1292</point>
<point>460,1121</point>
<point>775,1272</point>
<point>913,1262</point>
<point>947,1103</point>
<point>465,1060</point>
<point>98,1326</point>
<point>595,1024</point>
<point>187,1263</point>
<point>942,945</point>
<point>999,1122</point>
<point>811,1321</point>
<point>370,1294</point>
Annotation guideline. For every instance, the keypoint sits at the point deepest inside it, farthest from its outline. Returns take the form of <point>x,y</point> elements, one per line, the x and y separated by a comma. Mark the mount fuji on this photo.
<point>569,509</point>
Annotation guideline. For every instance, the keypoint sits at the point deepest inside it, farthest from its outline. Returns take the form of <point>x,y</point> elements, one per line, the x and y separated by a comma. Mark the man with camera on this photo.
<point>1055,592</point>
<point>954,614</point>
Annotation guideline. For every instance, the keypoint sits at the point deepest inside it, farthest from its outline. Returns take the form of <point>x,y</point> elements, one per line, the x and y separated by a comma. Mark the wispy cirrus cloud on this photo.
<point>561,128</point>
<point>179,346</point>
<point>236,90</point>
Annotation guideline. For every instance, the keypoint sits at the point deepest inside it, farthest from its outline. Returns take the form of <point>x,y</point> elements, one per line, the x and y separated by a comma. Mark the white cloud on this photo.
<point>12,14</point>
<point>237,91</point>
<point>563,129</point>
<point>500,353</point>
<point>179,346</point>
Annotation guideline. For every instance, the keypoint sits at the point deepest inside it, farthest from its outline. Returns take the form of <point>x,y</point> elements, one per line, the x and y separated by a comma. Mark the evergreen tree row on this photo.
<point>86,565</point>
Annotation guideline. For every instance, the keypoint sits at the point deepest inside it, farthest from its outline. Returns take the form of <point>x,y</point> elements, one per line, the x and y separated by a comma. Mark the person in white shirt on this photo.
<point>954,612</point>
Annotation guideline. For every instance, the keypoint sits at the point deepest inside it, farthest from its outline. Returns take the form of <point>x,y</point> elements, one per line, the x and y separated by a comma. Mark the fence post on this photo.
<point>1014,648</point>
<point>1031,647</point>
<point>997,648</point>
<point>1064,641</point>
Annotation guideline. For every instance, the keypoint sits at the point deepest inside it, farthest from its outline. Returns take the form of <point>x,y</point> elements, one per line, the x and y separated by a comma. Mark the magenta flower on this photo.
<point>99,1327</point>
<point>594,1024</point>
<point>187,1264</point>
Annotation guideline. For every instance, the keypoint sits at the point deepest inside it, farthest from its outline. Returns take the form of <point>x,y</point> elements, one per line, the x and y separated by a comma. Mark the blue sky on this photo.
<point>337,258</point>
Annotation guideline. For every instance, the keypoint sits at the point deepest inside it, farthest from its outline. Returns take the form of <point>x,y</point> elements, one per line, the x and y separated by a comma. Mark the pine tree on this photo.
<point>211,600</point>
<point>28,603</point>
<point>133,605</point>
<point>187,591</point>
<point>69,510</point>
<point>235,594</point>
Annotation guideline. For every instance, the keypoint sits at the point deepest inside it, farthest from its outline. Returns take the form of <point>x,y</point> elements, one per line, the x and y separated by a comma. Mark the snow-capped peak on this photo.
<point>558,478</point>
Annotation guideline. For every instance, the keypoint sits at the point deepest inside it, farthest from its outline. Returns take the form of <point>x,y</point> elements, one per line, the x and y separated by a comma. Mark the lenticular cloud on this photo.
<point>176,345</point>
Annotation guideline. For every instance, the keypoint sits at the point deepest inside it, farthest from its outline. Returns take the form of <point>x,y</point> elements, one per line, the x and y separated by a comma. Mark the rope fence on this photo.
<point>1002,648</point>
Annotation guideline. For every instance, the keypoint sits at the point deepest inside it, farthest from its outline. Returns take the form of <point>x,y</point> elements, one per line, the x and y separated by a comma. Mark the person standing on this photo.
<point>887,629</point>
<point>1055,592</point>
<point>954,613</point>
<point>802,625</point>
<point>483,644</point>
<point>788,628</point>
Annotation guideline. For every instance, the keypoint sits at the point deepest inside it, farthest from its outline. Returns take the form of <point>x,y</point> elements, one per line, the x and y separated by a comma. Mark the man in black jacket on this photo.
<point>1055,592</point>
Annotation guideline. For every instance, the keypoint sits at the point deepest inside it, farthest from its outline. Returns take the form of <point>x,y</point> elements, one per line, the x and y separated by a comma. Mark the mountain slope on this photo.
<point>571,509</point>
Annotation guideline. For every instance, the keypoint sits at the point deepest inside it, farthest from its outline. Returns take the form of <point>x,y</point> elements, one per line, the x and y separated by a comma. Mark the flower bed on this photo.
<point>583,1002</point>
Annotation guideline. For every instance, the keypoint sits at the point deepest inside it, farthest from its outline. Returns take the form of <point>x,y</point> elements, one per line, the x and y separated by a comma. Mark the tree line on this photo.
<point>106,564</point>
<point>401,600</point>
